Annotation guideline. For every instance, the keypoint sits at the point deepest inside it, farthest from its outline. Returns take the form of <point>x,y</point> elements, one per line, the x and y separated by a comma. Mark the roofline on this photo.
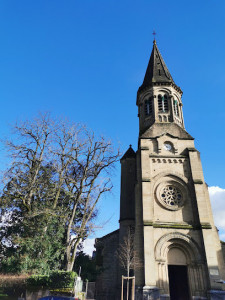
<point>107,235</point>
<point>143,88</point>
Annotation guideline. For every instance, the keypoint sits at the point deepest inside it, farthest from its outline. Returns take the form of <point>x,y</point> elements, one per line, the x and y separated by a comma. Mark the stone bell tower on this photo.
<point>164,200</point>
<point>175,235</point>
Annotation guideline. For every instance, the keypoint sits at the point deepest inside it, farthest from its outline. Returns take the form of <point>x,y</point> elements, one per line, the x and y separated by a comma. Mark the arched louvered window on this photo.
<point>175,107</point>
<point>163,103</point>
<point>148,107</point>
<point>160,103</point>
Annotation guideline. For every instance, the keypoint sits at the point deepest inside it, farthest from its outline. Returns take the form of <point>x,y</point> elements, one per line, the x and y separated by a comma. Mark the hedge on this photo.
<point>56,279</point>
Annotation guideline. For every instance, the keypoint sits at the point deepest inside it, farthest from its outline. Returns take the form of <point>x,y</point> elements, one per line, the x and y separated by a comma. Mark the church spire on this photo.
<point>157,72</point>
<point>159,98</point>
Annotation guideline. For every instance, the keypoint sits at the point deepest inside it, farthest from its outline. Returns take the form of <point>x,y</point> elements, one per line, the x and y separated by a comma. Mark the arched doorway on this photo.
<point>178,258</point>
<point>178,274</point>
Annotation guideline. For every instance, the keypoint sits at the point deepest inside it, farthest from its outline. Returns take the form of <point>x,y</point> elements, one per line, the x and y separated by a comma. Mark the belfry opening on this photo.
<point>165,201</point>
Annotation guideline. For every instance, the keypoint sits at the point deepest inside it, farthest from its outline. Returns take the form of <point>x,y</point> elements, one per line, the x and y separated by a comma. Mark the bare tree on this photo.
<point>60,170</point>
<point>127,256</point>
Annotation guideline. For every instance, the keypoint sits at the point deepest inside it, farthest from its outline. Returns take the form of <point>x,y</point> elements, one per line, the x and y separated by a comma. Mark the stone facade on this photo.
<point>165,199</point>
<point>106,285</point>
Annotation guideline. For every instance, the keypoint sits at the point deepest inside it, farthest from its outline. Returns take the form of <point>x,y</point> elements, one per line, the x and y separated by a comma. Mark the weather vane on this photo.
<point>154,33</point>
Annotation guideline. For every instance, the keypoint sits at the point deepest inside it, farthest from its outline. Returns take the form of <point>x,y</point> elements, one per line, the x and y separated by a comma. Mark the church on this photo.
<point>165,201</point>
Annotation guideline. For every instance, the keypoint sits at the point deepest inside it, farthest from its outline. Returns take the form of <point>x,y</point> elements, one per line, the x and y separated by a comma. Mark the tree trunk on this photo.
<point>69,266</point>
<point>127,288</point>
<point>128,274</point>
<point>71,259</point>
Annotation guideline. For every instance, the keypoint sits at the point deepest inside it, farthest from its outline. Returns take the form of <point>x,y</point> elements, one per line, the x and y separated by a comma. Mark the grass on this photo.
<point>12,286</point>
<point>4,296</point>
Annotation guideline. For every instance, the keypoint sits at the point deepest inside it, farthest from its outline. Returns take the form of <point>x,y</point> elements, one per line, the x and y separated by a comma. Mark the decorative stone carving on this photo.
<point>171,195</point>
<point>180,240</point>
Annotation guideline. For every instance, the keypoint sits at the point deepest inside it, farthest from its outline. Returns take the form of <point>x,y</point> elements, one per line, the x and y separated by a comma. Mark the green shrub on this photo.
<point>62,279</point>
<point>56,279</point>
<point>38,280</point>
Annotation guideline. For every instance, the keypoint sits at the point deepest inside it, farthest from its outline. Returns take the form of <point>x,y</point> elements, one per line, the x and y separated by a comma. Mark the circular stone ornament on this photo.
<point>171,195</point>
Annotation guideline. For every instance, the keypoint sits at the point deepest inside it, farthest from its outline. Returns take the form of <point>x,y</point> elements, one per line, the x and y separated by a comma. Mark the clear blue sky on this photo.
<point>86,59</point>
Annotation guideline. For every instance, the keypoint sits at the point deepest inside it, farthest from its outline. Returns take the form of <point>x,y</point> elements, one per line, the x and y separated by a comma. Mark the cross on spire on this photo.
<point>154,34</point>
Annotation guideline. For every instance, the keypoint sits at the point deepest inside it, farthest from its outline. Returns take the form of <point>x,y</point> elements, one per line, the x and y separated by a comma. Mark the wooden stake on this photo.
<point>133,288</point>
<point>122,289</point>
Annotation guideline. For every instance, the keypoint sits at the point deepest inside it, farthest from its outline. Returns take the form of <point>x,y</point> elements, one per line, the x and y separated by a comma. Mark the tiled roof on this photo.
<point>157,71</point>
<point>129,153</point>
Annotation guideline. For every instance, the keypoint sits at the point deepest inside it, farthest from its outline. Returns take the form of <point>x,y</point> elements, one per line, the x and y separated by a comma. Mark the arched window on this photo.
<point>148,107</point>
<point>160,103</point>
<point>163,103</point>
<point>175,107</point>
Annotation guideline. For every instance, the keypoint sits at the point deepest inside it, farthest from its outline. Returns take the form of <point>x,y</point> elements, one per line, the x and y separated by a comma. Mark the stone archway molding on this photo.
<point>189,246</point>
<point>177,175</point>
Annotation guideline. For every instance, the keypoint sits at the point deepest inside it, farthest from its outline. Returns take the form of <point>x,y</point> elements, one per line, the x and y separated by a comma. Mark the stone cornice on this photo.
<point>167,156</point>
<point>197,181</point>
<point>142,89</point>
<point>146,179</point>
<point>178,225</point>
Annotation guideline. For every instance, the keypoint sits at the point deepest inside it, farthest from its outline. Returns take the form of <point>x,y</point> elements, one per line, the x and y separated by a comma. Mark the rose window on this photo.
<point>171,196</point>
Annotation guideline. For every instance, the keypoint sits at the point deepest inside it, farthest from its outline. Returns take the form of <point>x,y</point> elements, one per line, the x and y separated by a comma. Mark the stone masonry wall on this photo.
<point>106,284</point>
